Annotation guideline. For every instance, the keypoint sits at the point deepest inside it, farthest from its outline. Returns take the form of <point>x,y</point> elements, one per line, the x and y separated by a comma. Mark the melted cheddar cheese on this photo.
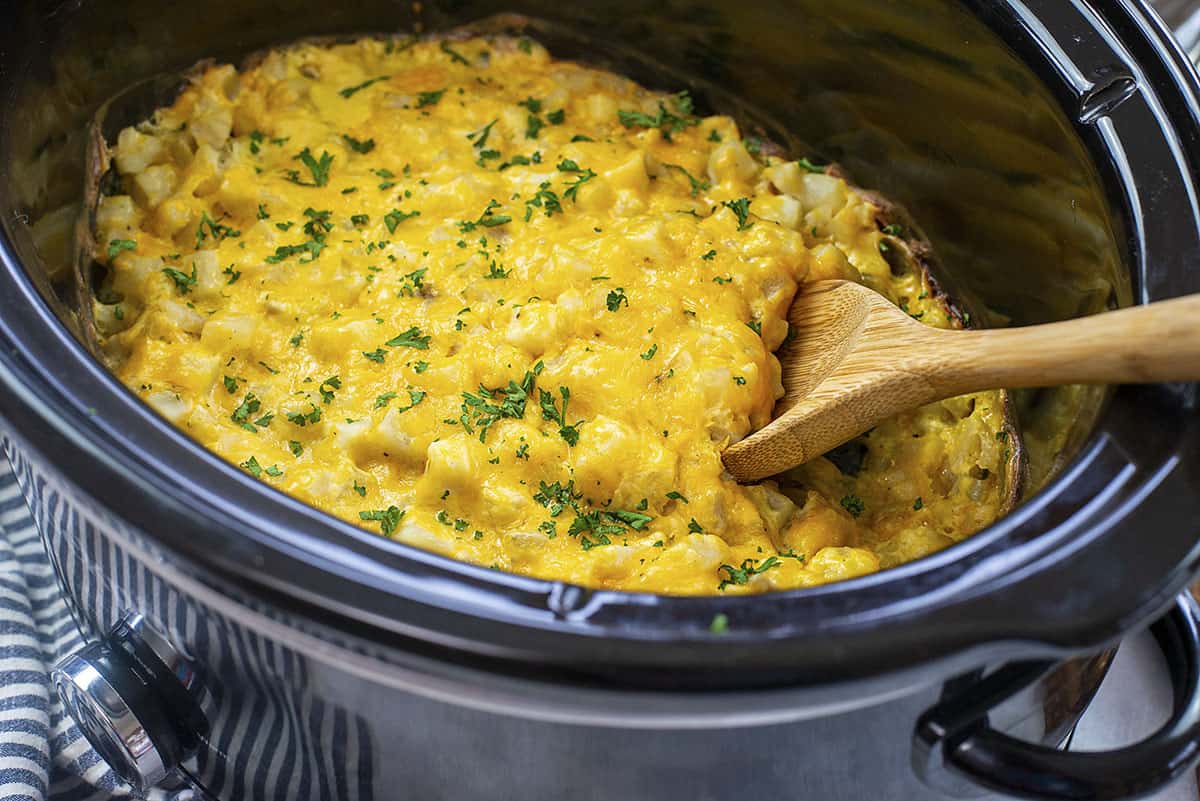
<point>511,309</point>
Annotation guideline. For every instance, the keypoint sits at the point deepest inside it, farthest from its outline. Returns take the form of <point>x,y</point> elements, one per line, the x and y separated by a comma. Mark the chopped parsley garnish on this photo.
<point>893,230</point>
<point>853,504</point>
<point>649,354</point>
<point>412,338</point>
<point>296,448</point>
<point>360,490</point>
<point>214,230</point>
<point>525,45</point>
<point>115,246</point>
<point>384,399</point>
<point>359,219</point>
<point>551,412</point>
<point>918,505</point>
<point>556,117</point>
<point>415,396</point>
<point>549,528</point>
<point>743,574</point>
<point>303,419</point>
<point>809,166</point>
<point>533,126</point>
<point>741,210</point>
<point>455,57</point>
<point>487,155</point>
<point>520,160</point>
<point>377,355</point>
<point>350,90</point>
<point>594,527</point>
<point>394,217</point>
<point>319,168</point>
<point>677,496</point>
<point>556,497</point>
<point>635,520</point>
<point>489,218</point>
<point>481,410</point>
<point>722,280</point>
<point>329,387</point>
<point>246,410</point>
<point>312,247</point>
<point>616,298</point>
<point>413,282</point>
<point>496,271</point>
<point>183,282</point>
<point>720,621</point>
<point>572,190</point>
<point>262,212</point>
<point>252,467</point>
<point>545,199</point>
<point>359,146</point>
<point>755,326</point>
<point>388,519</point>
<point>698,186</point>
<point>425,99</point>
<point>480,137</point>
<point>710,255</point>
<point>669,122</point>
<point>420,367</point>
<point>318,223</point>
<point>534,105</point>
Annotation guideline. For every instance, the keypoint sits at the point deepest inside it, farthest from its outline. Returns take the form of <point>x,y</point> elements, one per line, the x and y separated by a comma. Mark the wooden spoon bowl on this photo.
<point>857,360</point>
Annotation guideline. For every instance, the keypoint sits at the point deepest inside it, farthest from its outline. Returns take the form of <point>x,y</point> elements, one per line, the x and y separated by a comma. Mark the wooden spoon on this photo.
<point>857,360</point>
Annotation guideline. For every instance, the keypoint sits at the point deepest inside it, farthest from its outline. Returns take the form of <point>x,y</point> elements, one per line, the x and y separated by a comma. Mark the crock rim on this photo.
<point>270,541</point>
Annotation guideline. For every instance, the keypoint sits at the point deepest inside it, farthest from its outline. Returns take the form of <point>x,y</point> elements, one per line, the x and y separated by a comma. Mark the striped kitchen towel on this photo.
<point>43,756</point>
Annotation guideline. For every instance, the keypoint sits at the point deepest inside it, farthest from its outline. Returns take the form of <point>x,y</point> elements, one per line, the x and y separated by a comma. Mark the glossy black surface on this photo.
<point>956,735</point>
<point>1042,211</point>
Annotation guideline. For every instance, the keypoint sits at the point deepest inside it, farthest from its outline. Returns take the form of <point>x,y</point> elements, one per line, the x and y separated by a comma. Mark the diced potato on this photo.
<point>449,465</point>
<point>783,209</point>
<point>839,564</point>
<point>136,151</point>
<point>155,184</point>
<point>823,192</point>
<point>169,404</point>
<point>404,436</point>
<point>630,174</point>
<point>225,332</point>
<point>116,212</point>
<point>535,327</point>
<point>731,162</point>
<point>181,317</point>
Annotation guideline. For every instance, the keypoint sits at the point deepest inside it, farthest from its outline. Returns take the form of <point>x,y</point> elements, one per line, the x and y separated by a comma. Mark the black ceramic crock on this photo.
<point>259,649</point>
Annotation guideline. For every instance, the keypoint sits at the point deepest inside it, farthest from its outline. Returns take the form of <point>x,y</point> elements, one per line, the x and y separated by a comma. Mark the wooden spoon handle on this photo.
<point>1141,344</point>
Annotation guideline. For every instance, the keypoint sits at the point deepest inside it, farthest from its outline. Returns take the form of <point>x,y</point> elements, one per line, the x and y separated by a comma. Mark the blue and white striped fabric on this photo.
<point>43,756</point>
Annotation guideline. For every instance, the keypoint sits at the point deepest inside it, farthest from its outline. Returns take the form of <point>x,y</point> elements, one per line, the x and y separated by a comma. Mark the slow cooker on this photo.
<point>254,648</point>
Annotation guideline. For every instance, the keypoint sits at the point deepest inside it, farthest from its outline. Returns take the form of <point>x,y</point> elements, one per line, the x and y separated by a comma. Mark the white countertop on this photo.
<point>1134,700</point>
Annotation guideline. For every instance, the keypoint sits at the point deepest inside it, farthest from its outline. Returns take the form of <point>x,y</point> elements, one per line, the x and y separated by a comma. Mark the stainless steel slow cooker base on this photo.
<point>292,713</point>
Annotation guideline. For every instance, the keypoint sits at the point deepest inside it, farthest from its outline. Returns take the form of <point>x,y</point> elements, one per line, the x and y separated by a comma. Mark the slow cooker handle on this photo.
<point>955,739</point>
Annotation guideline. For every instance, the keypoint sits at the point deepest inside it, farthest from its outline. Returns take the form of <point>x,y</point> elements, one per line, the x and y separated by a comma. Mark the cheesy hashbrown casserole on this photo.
<point>511,309</point>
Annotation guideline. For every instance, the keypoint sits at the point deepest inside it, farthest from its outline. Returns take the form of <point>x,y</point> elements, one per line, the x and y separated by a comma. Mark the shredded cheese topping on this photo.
<point>509,309</point>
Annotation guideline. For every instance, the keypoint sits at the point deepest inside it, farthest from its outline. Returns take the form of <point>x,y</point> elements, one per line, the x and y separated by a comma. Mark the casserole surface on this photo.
<point>511,309</point>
